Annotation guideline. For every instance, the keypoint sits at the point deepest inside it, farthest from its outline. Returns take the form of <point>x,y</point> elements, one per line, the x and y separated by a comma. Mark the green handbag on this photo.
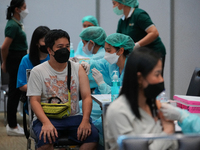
<point>58,110</point>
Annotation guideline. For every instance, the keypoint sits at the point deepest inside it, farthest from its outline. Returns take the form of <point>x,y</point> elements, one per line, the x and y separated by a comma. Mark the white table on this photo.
<point>101,99</point>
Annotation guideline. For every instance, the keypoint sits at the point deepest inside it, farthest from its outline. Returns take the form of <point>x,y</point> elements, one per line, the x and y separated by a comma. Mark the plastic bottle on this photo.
<point>162,97</point>
<point>114,87</point>
<point>71,50</point>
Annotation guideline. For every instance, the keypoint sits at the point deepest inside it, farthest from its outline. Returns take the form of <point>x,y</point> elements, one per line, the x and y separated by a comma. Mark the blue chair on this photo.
<point>140,142</point>
<point>104,109</point>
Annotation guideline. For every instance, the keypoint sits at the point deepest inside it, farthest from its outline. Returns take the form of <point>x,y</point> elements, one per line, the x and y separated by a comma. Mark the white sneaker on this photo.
<point>16,132</point>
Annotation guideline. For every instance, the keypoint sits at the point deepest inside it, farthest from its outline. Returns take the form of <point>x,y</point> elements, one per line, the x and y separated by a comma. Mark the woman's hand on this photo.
<point>98,77</point>
<point>171,112</point>
<point>3,67</point>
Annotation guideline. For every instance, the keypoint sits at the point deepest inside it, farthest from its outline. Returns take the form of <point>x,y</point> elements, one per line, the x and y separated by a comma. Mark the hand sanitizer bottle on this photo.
<point>114,87</point>
<point>71,50</point>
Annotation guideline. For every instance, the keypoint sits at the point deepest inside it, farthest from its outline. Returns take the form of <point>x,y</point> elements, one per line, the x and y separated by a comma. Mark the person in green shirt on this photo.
<point>13,49</point>
<point>136,23</point>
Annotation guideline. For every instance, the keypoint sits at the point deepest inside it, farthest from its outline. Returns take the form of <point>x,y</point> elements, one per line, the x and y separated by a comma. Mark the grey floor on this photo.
<point>12,142</point>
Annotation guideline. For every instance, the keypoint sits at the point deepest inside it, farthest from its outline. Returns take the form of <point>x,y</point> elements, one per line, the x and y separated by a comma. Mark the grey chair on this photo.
<point>104,109</point>
<point>4,89</point>
<point>63,141</point>
<point>194,86</point>
<point>185,142</point>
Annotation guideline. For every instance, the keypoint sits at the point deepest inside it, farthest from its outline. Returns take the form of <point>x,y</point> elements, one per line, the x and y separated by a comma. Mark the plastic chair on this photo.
<point>194,86</point>
<point>63,141</point>
<point>185,142</point>
<point>4,89</point>
<point>104,109</point>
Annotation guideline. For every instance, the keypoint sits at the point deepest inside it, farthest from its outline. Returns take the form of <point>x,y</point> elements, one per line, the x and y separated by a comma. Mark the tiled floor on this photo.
<point>12,142</point>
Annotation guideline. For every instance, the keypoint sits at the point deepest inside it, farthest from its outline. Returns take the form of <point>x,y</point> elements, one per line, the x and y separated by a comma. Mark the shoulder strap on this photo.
<point>69,75</point>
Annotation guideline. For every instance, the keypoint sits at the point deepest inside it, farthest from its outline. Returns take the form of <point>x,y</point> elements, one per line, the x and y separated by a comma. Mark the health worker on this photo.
<point>93,39</point>
<point>117,46</point>
<point>137,23</point>
<point>87,21</point>
<point>188,122</point>
<point>13,49</point>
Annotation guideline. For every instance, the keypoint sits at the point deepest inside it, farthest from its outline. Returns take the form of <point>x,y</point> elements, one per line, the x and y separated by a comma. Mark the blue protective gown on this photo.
<point>99,55</point>
<point>107,71</point>
<point>191,123</point>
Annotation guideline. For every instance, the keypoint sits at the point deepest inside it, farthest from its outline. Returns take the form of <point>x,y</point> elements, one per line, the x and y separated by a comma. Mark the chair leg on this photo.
<point>5,109</point>
<point>28,144</point>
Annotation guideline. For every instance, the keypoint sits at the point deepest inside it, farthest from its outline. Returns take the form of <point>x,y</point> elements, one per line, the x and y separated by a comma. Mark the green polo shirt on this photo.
<point>14,31</point>
<point>135,27</point>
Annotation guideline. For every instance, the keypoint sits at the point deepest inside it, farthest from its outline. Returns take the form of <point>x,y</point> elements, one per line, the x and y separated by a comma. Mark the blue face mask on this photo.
<point>117,11</point>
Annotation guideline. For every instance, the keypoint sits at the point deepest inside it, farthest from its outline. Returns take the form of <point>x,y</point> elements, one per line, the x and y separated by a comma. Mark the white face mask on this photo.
<point>117,11</point>
<point>23,13</point>
<point>86,50</point>
<point>111,58</point>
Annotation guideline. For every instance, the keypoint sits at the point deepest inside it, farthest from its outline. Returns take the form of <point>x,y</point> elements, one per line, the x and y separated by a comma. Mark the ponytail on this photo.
<point>10,11</point>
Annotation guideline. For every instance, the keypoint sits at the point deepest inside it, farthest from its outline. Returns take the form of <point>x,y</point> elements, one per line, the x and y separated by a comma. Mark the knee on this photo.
<point>46,147</point>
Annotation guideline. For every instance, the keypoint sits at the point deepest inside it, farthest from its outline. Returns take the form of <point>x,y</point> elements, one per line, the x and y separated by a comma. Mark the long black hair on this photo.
<point>34,52</point>
<point>13,5</point>
<point>140,60</point>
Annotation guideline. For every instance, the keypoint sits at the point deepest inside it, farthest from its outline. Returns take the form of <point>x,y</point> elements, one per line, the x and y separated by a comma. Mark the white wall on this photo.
<point>67,15</point>
<point>3,6</point>
<point>187,43</point>
<point>159,12</point>
<point>58,14</point>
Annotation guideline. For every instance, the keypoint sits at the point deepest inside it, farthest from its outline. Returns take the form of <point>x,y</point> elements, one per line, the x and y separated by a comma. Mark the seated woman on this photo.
<point>37,55</point>
<point>87,21</point>
<point>135,111</point>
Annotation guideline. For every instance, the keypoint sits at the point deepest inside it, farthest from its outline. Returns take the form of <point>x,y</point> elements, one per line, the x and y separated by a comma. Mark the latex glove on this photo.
<point>74,59</point>
<point>137,45</point>
<point>86,66</point>
<point>98,77</point>
<point>171,112</point>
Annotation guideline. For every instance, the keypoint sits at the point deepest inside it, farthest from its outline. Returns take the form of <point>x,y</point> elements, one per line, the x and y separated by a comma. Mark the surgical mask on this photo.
<point>152,90</point>
<point>23,13</point>
<point>61,55</point>
<point>111,58</point>
<point>117,11</point>
<point>83,29</point>
<point>86,50</point>
<point>43,49</point>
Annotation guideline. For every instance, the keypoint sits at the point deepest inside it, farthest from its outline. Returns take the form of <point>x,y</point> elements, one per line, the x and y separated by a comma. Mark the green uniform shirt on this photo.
<point>14,31</point>
<point>135,27</point>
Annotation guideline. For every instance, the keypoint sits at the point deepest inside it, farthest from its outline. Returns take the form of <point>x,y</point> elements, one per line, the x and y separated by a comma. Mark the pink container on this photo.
<point>190,103</point>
